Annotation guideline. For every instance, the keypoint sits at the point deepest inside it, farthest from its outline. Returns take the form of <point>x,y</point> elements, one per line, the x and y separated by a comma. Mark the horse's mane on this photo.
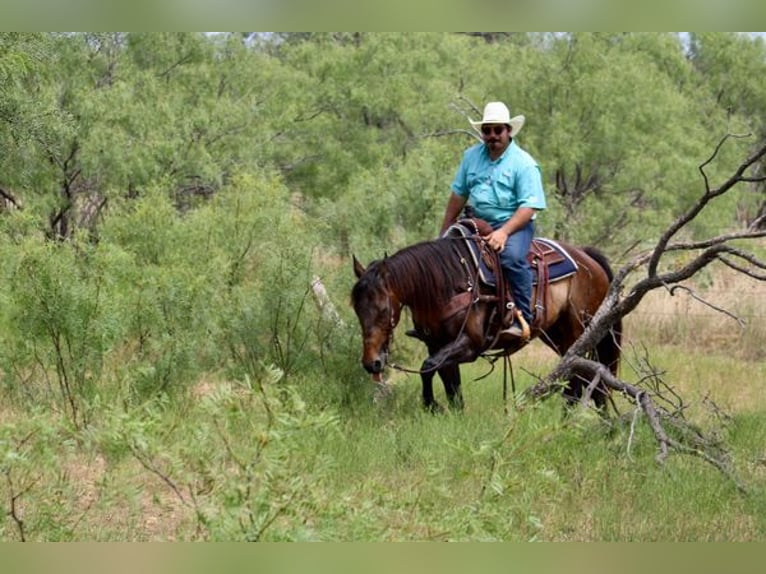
<point>427,274</point>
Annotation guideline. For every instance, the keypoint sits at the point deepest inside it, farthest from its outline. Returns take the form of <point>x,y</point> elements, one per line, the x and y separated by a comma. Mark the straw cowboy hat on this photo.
<point>497,113</point>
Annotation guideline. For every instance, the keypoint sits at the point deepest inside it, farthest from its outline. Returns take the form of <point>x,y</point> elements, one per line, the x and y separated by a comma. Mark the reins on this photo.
<point>472,279</point>
<point>472,283</point>
<point>507,366</point>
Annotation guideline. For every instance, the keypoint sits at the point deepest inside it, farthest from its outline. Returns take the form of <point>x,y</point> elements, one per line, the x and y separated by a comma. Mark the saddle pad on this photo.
<point>559,269</point>
<point>564,266</point>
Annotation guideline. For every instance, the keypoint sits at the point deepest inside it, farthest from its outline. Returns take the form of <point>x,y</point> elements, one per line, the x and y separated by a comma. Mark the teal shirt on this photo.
<point>496,189</point>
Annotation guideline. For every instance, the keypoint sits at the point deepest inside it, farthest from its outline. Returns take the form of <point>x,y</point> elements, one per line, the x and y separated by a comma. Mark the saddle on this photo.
<point>548,261</point>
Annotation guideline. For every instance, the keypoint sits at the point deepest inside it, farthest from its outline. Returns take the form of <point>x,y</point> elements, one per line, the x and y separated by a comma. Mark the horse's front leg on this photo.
<point>446,361</point>
<point>427,379</point>
<point>450,376</point>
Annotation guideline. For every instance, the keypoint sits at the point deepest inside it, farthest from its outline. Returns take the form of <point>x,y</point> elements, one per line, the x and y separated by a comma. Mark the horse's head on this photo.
<point>378,309</point>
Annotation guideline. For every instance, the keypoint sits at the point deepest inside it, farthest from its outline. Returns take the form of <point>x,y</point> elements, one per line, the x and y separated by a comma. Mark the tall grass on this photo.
<point>220,469</point>
<point>533,475</point>
<point>721,314</point>
<point>253,454</point>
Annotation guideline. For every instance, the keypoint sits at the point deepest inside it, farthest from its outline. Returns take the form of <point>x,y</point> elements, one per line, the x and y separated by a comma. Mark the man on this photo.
<point>502,184</point>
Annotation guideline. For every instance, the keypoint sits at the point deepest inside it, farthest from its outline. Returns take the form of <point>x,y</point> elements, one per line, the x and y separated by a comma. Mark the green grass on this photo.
<point>533,475</point>
<point>217,468</point>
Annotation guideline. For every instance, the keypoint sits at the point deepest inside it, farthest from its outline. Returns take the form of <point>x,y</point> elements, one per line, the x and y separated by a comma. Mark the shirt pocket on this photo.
<point>480,186</point>
<point>505,188</point>
<point>476,179</point>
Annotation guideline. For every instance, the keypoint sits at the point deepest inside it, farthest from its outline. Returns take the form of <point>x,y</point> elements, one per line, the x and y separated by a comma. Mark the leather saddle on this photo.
<point>548,261</point>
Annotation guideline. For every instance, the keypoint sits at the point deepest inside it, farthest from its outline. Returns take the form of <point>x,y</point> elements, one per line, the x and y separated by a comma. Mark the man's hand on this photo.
<point>496,240</point>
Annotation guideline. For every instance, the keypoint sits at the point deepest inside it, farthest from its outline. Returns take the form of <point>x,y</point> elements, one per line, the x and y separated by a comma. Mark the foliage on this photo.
<point>382,116</point>
<point>238,465</point>
<point>167,199</point>
<point>250,459</point>
<point>37,493</point>
<point>63,322</point>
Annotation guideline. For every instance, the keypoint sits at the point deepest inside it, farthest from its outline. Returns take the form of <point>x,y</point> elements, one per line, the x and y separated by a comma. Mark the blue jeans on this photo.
<point>518,275</point>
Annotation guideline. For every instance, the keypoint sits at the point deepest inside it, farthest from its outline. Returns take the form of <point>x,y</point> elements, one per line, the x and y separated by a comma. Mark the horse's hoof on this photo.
<point>435,408</point>
<point>457,407</point>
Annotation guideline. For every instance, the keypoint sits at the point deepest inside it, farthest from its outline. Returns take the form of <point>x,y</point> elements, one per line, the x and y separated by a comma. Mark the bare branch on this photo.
<point>758,222</point>
<point>691,441</point>
<point>710,194</point>
<point>750,258</point>
<point>8,200</point>
<point>145,460</point>
<point>589,391</point>
<point>696,297</point>
<point>688,246</point>
<point>663,407</point>
<point>443,133</point>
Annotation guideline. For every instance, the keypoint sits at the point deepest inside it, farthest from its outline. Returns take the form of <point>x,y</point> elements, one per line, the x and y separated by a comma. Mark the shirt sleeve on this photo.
<point>530,185</point>
<point>460,183</point>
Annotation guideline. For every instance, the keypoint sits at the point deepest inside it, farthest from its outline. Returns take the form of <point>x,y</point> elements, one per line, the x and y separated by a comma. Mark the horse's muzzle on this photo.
<point>375,365</point>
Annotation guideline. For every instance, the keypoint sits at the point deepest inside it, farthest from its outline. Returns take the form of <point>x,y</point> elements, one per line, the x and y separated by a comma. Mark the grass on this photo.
<point>245,460</point>
<point>393,473</point>
<point>454,478</point>
<point>535,475</point>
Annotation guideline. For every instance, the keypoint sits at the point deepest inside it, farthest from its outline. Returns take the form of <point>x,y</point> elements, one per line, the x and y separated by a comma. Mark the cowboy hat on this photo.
<point>497,113</point>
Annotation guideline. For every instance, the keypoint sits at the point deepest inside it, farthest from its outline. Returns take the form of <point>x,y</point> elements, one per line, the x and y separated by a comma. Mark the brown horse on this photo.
<point>456,314</point>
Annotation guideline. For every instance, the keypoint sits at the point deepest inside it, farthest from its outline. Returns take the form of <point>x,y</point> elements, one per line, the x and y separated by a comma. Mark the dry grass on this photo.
<point>705,352</point>
<point>736,327</point>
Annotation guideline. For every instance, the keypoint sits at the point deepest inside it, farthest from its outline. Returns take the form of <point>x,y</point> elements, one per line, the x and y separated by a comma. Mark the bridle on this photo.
<point>394,314</point>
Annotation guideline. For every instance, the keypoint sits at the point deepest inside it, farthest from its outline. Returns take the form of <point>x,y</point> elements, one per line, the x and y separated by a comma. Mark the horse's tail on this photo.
<point>609,348</point>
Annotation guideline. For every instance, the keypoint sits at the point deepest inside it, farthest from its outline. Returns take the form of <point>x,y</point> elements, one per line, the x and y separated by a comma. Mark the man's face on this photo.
<point>496,137</point>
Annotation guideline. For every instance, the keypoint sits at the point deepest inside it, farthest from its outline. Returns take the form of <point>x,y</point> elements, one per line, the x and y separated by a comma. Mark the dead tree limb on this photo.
<point>620,301</point>
<point>8,200</point>
<point>323,302</point>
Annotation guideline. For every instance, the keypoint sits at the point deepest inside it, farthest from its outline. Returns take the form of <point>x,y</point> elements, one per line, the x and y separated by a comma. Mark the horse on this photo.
<point>456,314</point>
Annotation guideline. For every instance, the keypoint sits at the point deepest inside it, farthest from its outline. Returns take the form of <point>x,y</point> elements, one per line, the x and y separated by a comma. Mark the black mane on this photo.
<point>425,275</point>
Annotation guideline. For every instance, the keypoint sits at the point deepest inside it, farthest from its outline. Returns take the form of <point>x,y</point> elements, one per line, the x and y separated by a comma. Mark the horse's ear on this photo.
<point>358,267</point>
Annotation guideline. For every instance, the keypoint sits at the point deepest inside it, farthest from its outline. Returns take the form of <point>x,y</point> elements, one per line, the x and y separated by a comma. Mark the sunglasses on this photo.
<point>497,130</point>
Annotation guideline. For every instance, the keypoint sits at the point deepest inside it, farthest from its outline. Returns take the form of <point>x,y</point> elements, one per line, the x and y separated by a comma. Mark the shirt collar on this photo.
<point>507,150</point>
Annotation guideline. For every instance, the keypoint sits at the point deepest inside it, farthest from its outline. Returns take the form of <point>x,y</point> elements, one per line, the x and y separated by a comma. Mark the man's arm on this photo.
<point>499,236</point>
<point>454,207</point>
<point>518,220</point>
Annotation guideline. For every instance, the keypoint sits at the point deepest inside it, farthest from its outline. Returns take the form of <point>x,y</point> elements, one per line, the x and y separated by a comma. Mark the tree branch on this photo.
<point>8,200</point>
<point>710,194</point>
<point>620,301</point>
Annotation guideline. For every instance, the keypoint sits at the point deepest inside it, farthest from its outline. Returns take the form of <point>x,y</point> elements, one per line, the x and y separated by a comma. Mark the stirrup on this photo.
<point>514,330</point>
<point>519,327</point>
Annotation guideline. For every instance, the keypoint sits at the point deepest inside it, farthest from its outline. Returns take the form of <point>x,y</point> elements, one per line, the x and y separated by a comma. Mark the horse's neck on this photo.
<point>418,285</point>
<point>404,297</point>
